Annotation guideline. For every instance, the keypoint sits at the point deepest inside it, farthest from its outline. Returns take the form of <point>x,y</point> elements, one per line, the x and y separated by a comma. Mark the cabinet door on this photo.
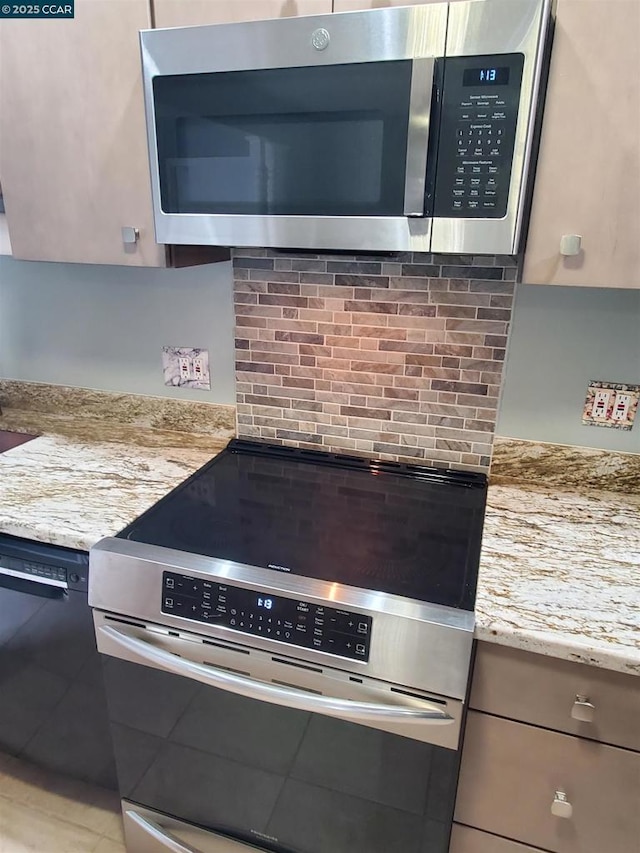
<point>557,694</point>
<point>186,13</point>
<point>588,176</point>
<point>510,773</point>
<point>73,150</point>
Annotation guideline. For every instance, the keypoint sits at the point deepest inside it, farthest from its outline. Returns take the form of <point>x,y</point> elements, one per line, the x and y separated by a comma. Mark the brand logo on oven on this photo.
<point>279,568</point>
<point>266,837</point>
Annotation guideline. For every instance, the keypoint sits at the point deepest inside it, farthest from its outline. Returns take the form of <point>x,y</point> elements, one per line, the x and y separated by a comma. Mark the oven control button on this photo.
<point>360,649</point>
<point>362,627</point>
<point>170,583</point>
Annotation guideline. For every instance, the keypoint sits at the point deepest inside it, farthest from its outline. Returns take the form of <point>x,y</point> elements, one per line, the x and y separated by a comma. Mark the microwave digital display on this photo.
<point>486,76</point>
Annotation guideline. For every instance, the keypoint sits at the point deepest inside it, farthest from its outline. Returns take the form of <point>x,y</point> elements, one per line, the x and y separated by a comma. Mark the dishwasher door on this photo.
<point>309,760</point>
<point>52,703</point>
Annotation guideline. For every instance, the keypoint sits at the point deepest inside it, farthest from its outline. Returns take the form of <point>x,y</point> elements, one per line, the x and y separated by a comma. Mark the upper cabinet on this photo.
<point>73,153</point>
<point>588,175</point>
<point>185,13</point>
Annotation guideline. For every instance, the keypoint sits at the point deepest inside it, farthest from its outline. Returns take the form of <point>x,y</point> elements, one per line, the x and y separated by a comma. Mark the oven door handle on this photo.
<point>140,651</point>
<point>418,135</point>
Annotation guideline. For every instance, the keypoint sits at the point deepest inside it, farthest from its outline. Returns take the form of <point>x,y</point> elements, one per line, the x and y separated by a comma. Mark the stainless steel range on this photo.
<point>287,640</point>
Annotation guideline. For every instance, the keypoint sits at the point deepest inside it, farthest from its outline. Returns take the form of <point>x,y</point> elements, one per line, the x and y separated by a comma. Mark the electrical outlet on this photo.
<point>611,404</point>
<point>621,405</point>
<point>600,408</point>
<point>186,367</point>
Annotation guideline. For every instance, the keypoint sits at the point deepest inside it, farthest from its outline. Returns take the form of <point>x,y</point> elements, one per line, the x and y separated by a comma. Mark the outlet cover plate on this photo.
<point>174,361</point>
<point>601,406</point>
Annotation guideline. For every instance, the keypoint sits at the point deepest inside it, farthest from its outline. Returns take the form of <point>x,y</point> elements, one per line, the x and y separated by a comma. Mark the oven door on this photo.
<point>308,132</point>
<point>223,747</point>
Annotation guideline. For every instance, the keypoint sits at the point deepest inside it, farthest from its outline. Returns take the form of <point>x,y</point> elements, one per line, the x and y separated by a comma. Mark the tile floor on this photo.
<point>41,812</point>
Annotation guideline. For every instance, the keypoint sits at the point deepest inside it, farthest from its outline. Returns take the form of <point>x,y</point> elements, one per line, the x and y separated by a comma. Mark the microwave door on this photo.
<point>420,98</point>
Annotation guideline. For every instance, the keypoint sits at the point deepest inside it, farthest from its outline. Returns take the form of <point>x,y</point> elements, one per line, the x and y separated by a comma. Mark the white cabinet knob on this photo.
<point>561,807</point>
<point>583,710</point>
<point>130,235</point>
<point>570,245</point>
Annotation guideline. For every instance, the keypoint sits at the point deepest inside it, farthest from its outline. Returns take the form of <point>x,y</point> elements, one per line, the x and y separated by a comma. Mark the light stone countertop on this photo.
<point>560,565</point>
<point>90,474</point>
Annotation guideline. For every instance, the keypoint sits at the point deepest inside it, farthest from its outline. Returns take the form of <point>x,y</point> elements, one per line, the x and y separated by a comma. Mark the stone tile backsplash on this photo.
<point>398,357</point>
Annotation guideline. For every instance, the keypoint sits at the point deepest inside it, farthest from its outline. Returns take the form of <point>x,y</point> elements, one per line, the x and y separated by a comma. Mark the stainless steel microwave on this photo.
<point>399,129</point>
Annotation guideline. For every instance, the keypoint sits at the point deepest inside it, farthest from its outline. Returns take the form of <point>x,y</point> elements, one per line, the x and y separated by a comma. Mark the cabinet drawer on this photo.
<point>510,773</point>
<point>467,840</point>
<point>540,690</point>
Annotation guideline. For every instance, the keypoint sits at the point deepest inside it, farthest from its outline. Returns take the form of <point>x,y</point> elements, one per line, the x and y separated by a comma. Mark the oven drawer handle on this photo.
<point>160,835</point>
<point>289,697</point>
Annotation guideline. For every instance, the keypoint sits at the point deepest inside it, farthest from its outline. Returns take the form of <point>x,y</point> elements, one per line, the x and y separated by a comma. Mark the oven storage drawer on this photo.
<point>464,839</point>
<point>557,694</point>
<point>511,774</point>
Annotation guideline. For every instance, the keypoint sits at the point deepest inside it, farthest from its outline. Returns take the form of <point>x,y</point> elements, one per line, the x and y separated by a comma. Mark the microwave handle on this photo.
<point>420,98</point>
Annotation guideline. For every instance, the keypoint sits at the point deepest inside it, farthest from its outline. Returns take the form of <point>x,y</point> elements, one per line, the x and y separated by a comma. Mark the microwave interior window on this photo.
<point>328,140</point>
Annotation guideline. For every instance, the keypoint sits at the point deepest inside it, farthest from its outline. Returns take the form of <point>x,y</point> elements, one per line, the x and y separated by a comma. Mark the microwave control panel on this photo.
<point>275,617</point>
<point>479,112</point>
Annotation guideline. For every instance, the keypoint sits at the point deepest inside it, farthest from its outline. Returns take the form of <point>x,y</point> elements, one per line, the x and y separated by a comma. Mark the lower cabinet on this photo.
<point>514,776</point>
<point>550,760</point>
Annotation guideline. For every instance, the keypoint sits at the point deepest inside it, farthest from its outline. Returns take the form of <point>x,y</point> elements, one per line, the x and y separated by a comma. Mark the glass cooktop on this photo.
<point>408,530</point>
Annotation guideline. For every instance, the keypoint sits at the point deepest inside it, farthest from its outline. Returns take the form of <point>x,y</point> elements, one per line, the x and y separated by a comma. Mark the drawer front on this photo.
<point>467,840</point>
<point>510,773</point>
<point>542,691</point>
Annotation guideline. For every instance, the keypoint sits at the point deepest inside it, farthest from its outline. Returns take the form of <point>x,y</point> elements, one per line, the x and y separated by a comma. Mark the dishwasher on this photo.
<point>287,640</point>
<point>52,702</point>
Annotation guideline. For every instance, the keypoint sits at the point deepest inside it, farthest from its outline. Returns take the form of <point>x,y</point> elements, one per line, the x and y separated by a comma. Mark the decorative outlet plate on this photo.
<point>186,367</point>
<point>611,404</point>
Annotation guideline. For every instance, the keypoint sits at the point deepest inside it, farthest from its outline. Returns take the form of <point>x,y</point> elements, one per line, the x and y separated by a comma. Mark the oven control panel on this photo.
<point>477,135</point>
<point>287,620</point>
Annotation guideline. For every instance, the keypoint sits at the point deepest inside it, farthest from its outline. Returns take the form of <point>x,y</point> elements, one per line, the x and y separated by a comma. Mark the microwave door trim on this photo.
<point>418,136</point>
<point>416,33</point>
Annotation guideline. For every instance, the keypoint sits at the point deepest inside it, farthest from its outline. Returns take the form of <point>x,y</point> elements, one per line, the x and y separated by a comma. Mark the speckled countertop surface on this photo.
<point>100,459</point>
<point>560,565</point>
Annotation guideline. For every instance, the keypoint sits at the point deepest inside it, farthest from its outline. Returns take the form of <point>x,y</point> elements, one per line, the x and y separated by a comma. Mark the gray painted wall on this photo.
<point>103,327</point>
<point>560,339</point>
